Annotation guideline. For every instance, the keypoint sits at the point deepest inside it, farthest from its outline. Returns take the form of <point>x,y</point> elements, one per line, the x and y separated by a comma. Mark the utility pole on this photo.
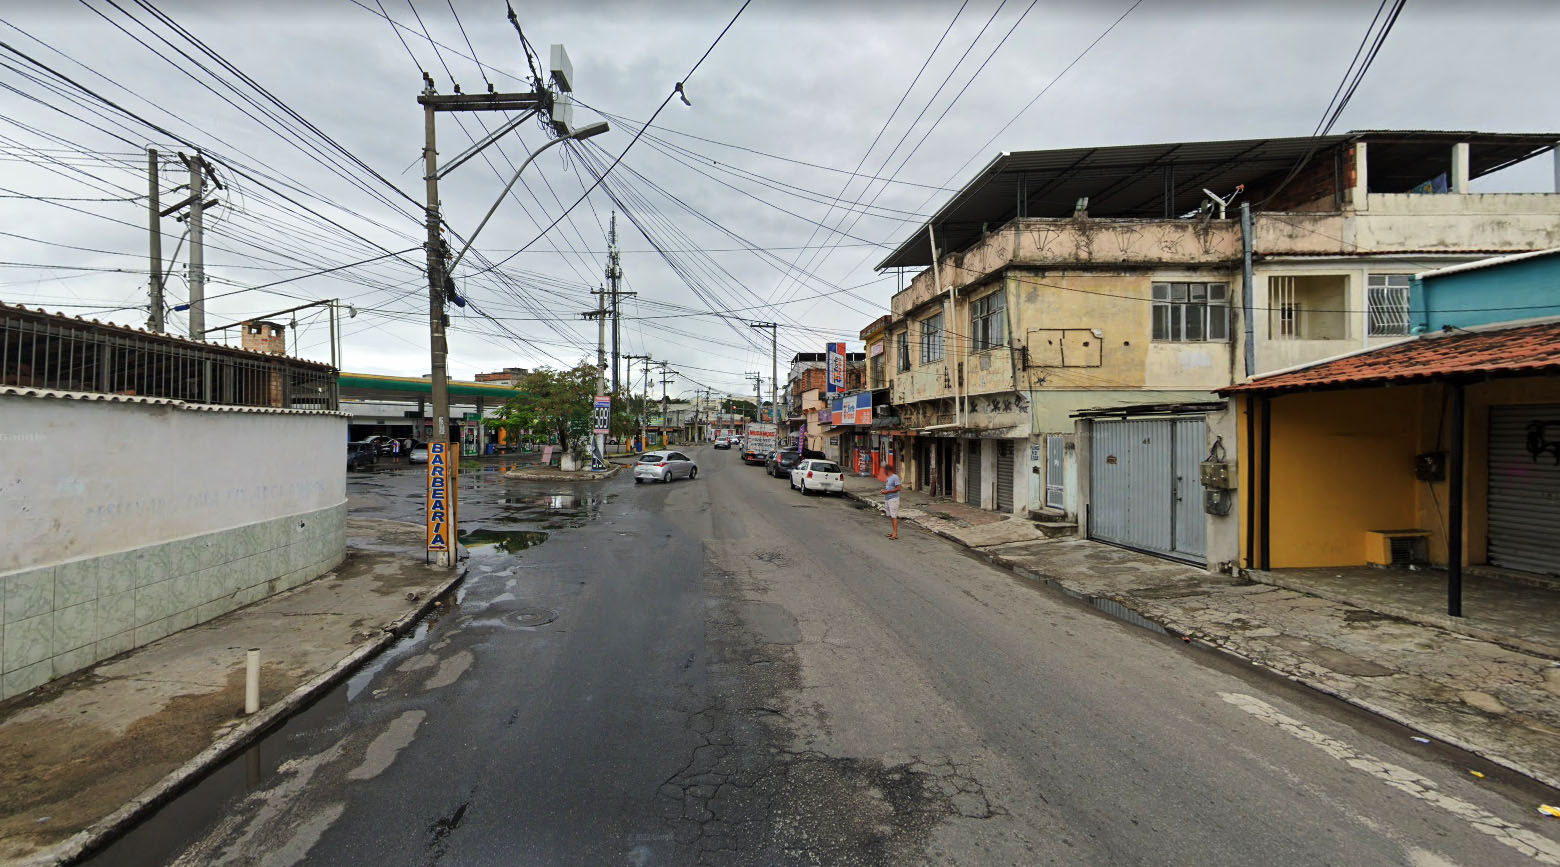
<point>758,394</point>
<point>600,315</point>
<point>614,273</point>
<point>154,322</point>
<point>440,283</point>
<point>774,368</point>
<point>197,248</point>
<point>646,359</point>
<point>665,410</point>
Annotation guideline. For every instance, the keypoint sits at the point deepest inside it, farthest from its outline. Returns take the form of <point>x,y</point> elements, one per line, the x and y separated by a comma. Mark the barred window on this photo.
<point>1191,312</point>
<point>932,339</point>
<point>1387,304</point>
<point>903,339</point>
<point>988,321</point>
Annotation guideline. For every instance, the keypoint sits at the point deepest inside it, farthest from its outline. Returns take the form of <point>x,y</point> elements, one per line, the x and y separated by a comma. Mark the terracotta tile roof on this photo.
<point>1520,350</point>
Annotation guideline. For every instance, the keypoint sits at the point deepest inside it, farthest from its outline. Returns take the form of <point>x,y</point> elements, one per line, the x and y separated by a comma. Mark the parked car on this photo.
<point>361,454</point>
<point>418,454</point>
<point>382,443</point>
<point>664,467</point>
<point>723,443</point>
<point>781,465</point>
<point>816,475</point>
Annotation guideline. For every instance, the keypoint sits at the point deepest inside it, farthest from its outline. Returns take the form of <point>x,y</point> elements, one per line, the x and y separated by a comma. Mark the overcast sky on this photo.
<point>809,82</point>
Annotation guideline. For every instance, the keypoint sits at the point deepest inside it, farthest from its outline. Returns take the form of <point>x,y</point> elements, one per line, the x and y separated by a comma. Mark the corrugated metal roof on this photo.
<point>1165,180</point>
<point>1509,351</point>
<point>100,397</point>
<point>1486,263</point>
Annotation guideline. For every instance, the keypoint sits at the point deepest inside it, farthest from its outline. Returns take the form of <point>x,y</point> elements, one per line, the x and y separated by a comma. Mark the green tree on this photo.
<point>558,402</point>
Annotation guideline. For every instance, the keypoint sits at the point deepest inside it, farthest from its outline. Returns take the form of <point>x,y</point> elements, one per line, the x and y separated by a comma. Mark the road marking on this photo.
<point>1537,847</point>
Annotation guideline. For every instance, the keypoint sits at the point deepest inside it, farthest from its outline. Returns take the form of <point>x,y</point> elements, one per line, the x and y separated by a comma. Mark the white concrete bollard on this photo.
<point>252,682</point>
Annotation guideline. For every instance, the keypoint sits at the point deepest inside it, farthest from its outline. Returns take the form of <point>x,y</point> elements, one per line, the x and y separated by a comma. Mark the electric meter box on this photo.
<point>1217,475</point>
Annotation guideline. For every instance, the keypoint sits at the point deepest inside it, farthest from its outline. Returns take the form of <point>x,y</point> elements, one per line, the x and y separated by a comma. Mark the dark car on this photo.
<point>780,465</point>
<point>362,454</point>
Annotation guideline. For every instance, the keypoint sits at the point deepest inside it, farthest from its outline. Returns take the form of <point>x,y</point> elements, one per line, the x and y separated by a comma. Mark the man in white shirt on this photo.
<point>891,500</point>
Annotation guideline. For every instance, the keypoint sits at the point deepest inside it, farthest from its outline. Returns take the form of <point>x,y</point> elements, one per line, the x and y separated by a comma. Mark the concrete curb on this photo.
<point>100,832</point>
<point>1174,630</point>
<point>548,474</point>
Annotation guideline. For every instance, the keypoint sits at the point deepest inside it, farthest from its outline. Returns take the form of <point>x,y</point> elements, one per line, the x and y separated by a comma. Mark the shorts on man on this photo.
<point>891,507</point>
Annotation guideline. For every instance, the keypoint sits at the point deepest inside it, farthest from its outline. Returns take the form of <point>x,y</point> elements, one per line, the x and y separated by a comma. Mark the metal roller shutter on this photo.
<point>1524,506</point>
<point>972,474</point>
<point>1005,476</point>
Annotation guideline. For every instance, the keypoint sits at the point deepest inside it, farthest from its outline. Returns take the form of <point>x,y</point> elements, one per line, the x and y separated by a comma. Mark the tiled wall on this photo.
<point>61,618</point>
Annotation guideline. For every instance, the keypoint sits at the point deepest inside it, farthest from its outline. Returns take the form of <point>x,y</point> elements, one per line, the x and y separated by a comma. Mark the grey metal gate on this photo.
<point>972,474</point>
<point>1005,476</point>
<point>1524,510</point>
<point>1055,487</point>
<point>1144,487</point>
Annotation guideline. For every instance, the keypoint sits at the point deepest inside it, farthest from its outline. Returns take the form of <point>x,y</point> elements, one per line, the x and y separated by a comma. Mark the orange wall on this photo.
<point>1342,464</point>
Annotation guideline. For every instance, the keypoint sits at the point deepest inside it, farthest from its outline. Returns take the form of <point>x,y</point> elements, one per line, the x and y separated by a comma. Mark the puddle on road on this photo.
<point>503,541</point>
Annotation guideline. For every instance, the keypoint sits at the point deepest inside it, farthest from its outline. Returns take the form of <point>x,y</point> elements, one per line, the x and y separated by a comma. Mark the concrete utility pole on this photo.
<point>665,410</point>
<point>614,273</point>
<point>646,359</point>
<point>197,248</point>
<point>774,368</point>
<point>758,395</point>
<point>600,315</point>
<point>154,322</point>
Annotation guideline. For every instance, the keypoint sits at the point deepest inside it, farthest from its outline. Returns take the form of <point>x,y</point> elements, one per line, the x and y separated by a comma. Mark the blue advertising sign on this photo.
<point>836,368</point>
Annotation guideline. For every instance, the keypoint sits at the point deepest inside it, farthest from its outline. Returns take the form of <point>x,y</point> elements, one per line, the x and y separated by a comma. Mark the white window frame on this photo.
<point>932,339</point>
<point>1187,311</point>
<point>1387,297</point>
<point>988,321</point>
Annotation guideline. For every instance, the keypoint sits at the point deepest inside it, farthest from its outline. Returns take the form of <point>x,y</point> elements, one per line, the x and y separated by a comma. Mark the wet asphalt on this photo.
<point>721,671</point>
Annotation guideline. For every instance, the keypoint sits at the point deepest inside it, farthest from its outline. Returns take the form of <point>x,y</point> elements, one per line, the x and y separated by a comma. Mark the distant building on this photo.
<point>507,376</point>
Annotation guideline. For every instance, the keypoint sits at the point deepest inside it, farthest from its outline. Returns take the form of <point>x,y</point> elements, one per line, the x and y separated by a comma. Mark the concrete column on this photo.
<point>1361,178</point>
<point>1459,176</point>
<point>1557,166</point>
<point>481,430</point>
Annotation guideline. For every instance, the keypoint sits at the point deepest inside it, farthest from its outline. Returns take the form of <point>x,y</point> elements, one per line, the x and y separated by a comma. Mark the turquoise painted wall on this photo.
<point>1525,289</point>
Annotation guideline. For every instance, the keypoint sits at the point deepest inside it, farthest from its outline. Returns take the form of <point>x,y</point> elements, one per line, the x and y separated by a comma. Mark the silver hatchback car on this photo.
<point>664,467</point>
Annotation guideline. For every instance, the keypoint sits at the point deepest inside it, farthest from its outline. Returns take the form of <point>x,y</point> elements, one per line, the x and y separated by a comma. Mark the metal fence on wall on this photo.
<point>47,351</point>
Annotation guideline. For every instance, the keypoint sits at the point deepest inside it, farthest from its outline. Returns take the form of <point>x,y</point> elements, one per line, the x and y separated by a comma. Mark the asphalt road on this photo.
<point>723,671</point>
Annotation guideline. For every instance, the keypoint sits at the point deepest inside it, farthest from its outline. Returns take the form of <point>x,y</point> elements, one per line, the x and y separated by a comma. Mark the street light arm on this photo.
<point>577,135</point>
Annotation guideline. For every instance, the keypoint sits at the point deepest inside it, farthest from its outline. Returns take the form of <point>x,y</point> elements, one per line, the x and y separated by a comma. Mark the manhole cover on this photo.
<point>532,616</point>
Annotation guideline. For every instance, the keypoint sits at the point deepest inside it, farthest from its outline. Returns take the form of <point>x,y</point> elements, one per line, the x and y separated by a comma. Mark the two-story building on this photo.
<point>1062,355</point>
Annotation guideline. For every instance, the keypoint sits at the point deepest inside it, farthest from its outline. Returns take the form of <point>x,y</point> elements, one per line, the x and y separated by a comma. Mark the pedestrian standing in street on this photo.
<point>395,451</point>
<point>891,500</point>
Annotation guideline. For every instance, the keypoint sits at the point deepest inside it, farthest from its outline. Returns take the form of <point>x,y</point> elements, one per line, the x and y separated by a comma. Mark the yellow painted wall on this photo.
<point>1342,464</point>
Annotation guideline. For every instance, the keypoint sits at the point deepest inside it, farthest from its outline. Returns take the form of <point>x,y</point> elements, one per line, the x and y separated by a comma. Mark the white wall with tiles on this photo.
<point>125,521</point>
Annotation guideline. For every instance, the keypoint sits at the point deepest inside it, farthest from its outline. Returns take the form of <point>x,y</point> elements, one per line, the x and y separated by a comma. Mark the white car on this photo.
<point>664,467</point>
<point>815,475</point>
<point>418,455</point>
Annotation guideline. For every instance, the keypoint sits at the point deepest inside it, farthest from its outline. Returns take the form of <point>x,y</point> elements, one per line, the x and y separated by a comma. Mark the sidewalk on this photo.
<point>88,754</point>
<point>1497,695</point>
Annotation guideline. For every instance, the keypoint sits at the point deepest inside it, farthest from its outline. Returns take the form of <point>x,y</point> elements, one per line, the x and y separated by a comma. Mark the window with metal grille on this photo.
<point>1192,312</point>
<point>988,321</point>
<point>932,339</point>
<point>1387,304</point>
<point>903,339</point>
